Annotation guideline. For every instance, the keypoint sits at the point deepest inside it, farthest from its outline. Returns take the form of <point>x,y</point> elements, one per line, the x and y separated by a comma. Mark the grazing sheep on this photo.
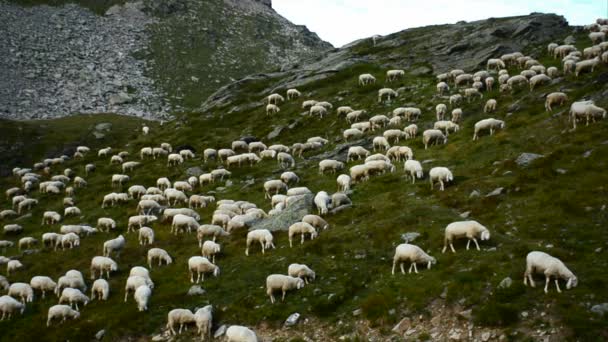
<point>344,110</point>
<point>447,126</point>
<point>412,253</point>
<point>12,229</point>
<point>301,228</point>
<point>73,297</point>
<point>441,175</point>
<point>70,240</point>
<point>431,136</point>
<point>50,239</point>
<point>495,64</point>
<point>100,290</point>
<point>101,264</point>
<point>275,98</point>
<point>555,98</point>
<point>470,92</point>
<point>461,229</point>
<point>238,333</point>
<point>487,124</point>
<point>9,305</point>
<point>263,236</point>
<point>352,133</point>
<point>275,186</point>
<point>463,79</point>
<point>355,116</point>
<point>414,169</point>
<point>386,92</point>
<point>134,282</point>
<point>289,178</point>
<point>142,296</point>
<point>283,283</point>
<point>301,271</point>
<point>293,94</point>
<point>318,110</point>
<point>456,115</point>
<point>272,109</point>
<point>587,110</point>
<point>586,65</point>
<point>174,159</point>
<point>597,37</point>
<point>411,131</point>
<point>27,203</point>
<point>161,255</point>
<point>285,160</point>
<point>516,80</point>
<point>62,312</point>
<point>381,143</point>
<point>183,222</point>
<point>146,236</point>
<point>113,245</point>
<point>204,321</point>
<point>455,100</point>
<point>442,87</point>
<point>356,151</point>
<point>344,182</point>
<point>393,75</point>
<point>209,230</point>
<point>22,291</point>
<point>27,242</point>
<point>490,106</point>
<point>210,249</point>
<point>179,317</point>
<point>105,224</point>
<point>540,262</point>
<point>71,279</point>
<point>12,266</point>
<point>331,165</point>
<point>139,221</point>
<point>365,79</point>
<point>322,201</point>
<point>4,214</point>
<point>539,79</point>
<point>441,111</point>
<point>399,153</point>
<point>4,284</point>
<point>201,265</point>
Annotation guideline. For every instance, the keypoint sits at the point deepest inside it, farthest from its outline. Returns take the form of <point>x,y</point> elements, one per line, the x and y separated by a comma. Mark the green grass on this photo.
<point>353,258</point>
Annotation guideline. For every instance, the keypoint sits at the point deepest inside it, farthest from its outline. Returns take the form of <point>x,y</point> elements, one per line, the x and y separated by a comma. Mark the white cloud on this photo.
<point>343,21</point>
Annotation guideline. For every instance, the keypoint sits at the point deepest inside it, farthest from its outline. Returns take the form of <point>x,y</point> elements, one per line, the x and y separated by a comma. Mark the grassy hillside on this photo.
<point>557,201</point>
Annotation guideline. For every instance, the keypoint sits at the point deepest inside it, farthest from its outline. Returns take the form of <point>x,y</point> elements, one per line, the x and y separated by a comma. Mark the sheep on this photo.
<point>359,173</point>
<point>555,98</point>
<point>238,333</point>
<point>283,283</point>
<point>516,80</point>
<point>399,153</point>
<point>301,271</point>
<point>71,279</point>
<point>379,121</point>
<point>308,103</point>
<point>365,79</point>
<point>393,75</point>
<point>181,317</point>
<point>4,284</point>
<point>22,291</point>
<point>135,281</point>
<point>386,92</point>
<point>380,143</point>
<point>356,151</point>
<point>101,264</point>
<point>442,87</point>
<point>301,228</point>
<point>275,98</point>
<point>173,196</point>
<point>272,109</point>
<point>50,239</point>
<point>455,99</point>
<point>4,214</point>
<point>412,253</point>
<point>146,236</point>
<point>12,266</point>
<point>285,160</point>
<point>100,290</point>
<point>293,94</point>
<point>456,115</point>
<point>105,224</point>
<point>344,182</point>
<point>589,64</point>
<point>61,311</point>
<point>539,79</point>
<point>414,169</point>
<point>321,201</point>
<point>9,305</point>
<point>441,175</point>
<point>129,166</point>
<point>116,159</point>
<point>160,254</point>
<point>174,159</point>
<point>139,221</point>
<point>182,186</point>
<point>183,222</point>
<point>490,106</point>
<point>447,126</point>
<point>470,92</point>
<point>27,242</point>
<point>586,109</point>
<point>73,297</point>
<point>489,83</point>
<point>119,180</point>
<point>12,229</point>
<point>355,116</point>
<point>204,321</point>
<point>352,133</point>
<point>461,229</point>
<point>495,64</point>
<point>263,236</point>
<point>463,79</point>
<point>363,126</point>
<point>431,136</point>
<point>344,110</point>
<point>540,262</point>
<point>318,110</point>
<point>597,37</point>
<point>201,265</point>
<point>145,152</point>
<point>441,109</point>
<point>331,165</point>
<point>104,152</point>
<point>70,240</point>
<point>27,203</point>
<point>486,124</point>
<point>275,186</point>
<point>339,199</point>
<point>113,245</point>
<point>20,198</point>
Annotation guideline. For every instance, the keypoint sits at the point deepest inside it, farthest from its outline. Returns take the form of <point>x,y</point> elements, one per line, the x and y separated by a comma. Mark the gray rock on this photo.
<point>98,135</point>
<point>570,40</point>
<point>495,192</point>
<point>505,283</point>
<point>465,215</point>
<point>525,159</point>
<point>485,336</point>
<point>100,334</point>
<point>220,331</point>
<point>341,208</point>
<point>600,309</point>
<point>561,171</point>
<point>196,290</point>
<point>275,132</point>
<point>421,71</point>
<point>474,193</point>
<point>300,207</point>
<point>103,126</point>
<point>120,98</point>
<point>357,312</point>
<point>194,171</point>
<point>292,319</point>
<point>409,236</point>
<point>587,154</point>
<point>466,314</point>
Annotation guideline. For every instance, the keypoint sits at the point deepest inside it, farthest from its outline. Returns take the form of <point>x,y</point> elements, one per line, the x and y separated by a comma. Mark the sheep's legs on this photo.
<point>393,270</point>
<point>547,283</point>
<point>283,299</point>
<point>476,244</point>
<point>468,243</point>
<point>302,240</point>
<point>557,286</point>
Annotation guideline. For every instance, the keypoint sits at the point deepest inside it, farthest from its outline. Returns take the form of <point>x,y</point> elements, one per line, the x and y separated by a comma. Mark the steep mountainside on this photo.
<point>536,184</point>
<point>145,58</point>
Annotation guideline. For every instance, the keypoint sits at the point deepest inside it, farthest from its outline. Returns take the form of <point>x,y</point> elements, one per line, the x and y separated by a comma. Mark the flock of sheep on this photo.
<point>168,201</point>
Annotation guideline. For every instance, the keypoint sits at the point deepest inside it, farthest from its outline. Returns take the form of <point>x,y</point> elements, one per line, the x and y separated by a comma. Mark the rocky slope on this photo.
<point>144,58</point>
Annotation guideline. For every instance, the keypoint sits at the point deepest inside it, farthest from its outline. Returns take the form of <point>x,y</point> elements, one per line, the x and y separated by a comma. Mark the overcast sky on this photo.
<point>343,21</point>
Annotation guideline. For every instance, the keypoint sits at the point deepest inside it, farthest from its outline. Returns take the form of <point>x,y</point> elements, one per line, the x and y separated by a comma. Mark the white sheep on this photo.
<point>4,284</point>
<point>62,312</point>
<point>317,110</point>
<point>12,266</point>
<point>597,37</point>
<point>331,165</point>
<point>442,87</point>
<point>464,229</point>
<point>487,124</point>
<point>69,240</point>
<point>183,222</point>
<point>557,98</point>
<point>490,106</point>
<point>539,79</point>
<point>174,159</point>
<point>142,296</point>
<point>586,65</point>
<point>275,186</point>
<point>355,116</point>
<point>359,173</point>
<point>146,236</point>
<point>283,283</point>
<point>441,110</point>
<point>263,236</point>
<point>495,64</point>
<point>365,79</point>
<point>209,230</point>
<point>100,290</point>
<point>441,175</point>
<point>399,153</point>
<point>393,75</point>
<point>139,221</point>
<point>321,201</point>
<point>210,249</point>
<point>540,262</point>
<point>352,133</point>
<point>344,182</point>
<point>412,253</point>
<point>414,169</point>
<point>200,266</point>
<point>204,321</point>
<point>238,333</point>
<point>105,224</point>
<point>22,291</point>
<point>285,160</point>
<point>411,131</point>
<point>301,271</point>
<point>134,282</point>
<point>275,98</point>
<point>272,109</point>
<point>72,279</point>
<point>27,242</point>
<point>4,214</point>
<point>308,103</point>
<point>27,203</point>
<point>344,110</point>
<point>431,136</point>
<point>160,254</point>
<point>315,221</point>
<point>587,110</point>
<point>293,94</point>
<point>386,92</point>
<point>12,229</point>
<point>101,264</point>
<point>9,305</point>
<point>380,143</point>
<point>447,126</point>
<point>113,245</point>
<point>73,297</point>
<point>302,228</point>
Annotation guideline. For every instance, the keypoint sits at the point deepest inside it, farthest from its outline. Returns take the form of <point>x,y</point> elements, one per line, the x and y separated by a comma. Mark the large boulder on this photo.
<point>294,213</point>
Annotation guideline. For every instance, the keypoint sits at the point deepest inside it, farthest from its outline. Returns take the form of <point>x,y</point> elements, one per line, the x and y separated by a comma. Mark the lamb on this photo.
<point>301,228</point>
<point>487,124</point>
<point>275,98</point>
<point>442,87</point>
<point>73,297</point>
<point>12,266</point>
<point>414,169</point>
<point>285,160</point>
<point>160,254</point>
<point>283,283</point>
<point>113,245</point>
<point>238,333</point>
<point>461,229</point>
<point>174,159</point>
<point>447,126</point>
<point>146,236</point>
<point>490,106</point>
<point>540,262</point>
<point>70,240</point>
<point>272,109</point>
<point>586,109</point>
<point>365,79</point>
<point>181,317</point>
<point>23,291</point>
<point>204,321</point>
<point>412,253</point>
<point>539,79</point>
<point>101,264</point>
<point>134,282</point>
<point>386,92</point>
<point>61,311</point>
<point>139,221</point>
<point>393,75</point>
<point>100,290</point>
<point>275,186</point>
<point>293,94</point>
<point>589,64</point>
<point>201,265</point>
<point>9,305</point>
<point>441,175</point>
<point>210,249</point>
<point>431,136</point>
<point>183,222</point>
<point>27,242</point>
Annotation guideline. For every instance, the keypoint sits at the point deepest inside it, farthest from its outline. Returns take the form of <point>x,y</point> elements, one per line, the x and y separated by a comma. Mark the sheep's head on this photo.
<point>75,314</point>
<point>299,283</point>
<point>216,272</point>
<point>572,282</point>
<point>485,235</point>
<point>432,261</point>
